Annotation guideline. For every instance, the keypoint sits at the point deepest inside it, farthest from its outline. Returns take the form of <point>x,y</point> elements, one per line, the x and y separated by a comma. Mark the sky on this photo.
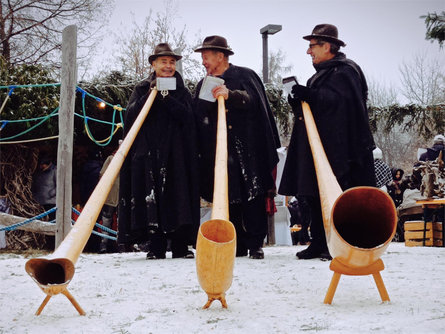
<point>380,34</point>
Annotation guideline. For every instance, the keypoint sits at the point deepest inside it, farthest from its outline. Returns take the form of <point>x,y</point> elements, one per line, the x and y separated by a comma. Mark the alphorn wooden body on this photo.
<point>53,274</point>
<point>359,223</point>
<point>216,241</point>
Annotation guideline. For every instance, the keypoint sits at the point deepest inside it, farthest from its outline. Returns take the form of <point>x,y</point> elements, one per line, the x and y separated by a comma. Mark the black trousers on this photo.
<point>179,241</point>
<point>250,221</point>
<point>318,234</point>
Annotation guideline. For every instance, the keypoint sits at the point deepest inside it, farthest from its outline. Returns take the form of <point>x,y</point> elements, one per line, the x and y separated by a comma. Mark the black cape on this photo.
<point>338,104</point>
<point>252,138</point>
<point>159,180</point>
<point>432,153</point>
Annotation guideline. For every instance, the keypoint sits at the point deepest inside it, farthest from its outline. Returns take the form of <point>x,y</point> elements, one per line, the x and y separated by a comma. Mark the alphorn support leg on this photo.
<point>340,269</point>
<point>70,298</point>
<point>381,287</point>
<point>42,306</point>
<point>73,301</point>
<point>221,298</point>
<point>332,287</point>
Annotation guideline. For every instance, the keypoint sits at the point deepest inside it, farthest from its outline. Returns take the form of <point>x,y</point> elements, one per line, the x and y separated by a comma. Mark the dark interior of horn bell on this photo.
<point>48,272</point>
<point>364,217</point>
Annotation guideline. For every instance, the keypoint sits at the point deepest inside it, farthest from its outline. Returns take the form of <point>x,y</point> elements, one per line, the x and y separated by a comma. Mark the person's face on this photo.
<point>164,66</point>
<point>319,51</point>
<point>44,166</point>
<point>213,62</point>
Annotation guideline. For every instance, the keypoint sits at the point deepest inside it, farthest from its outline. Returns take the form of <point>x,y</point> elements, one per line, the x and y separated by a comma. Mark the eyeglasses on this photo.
<point>314,44</point>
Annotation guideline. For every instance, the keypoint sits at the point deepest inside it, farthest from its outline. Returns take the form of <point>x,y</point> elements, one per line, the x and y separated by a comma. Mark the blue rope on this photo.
<point>114,125</point>
<point>99,234</point>
<point>27,221</point>
<point>98,99</point>
<point>33,127</point>
<point>104,228</point>
<point>106,236</point>
<point>3,125</point>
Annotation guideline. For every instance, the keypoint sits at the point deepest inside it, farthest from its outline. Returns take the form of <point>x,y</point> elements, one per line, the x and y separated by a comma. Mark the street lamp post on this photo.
<point>270,29</point>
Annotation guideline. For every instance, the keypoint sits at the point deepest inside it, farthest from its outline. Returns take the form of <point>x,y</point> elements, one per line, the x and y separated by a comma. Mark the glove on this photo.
<point>294,102</point>
<point>301,93</point>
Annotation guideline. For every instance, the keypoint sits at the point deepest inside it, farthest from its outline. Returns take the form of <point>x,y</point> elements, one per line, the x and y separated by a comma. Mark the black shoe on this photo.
<point>153,256</point>
<point>256,253</point>
<point>325,256</point>
<point>103,249</point>
<point>123,248</point>
<point>128,248</point>
<point>188,255</point>
<point>312,252</point>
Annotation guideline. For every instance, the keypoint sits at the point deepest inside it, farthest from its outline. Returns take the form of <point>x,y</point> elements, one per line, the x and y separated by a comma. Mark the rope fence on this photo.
<point>44,214</point>
<point>115,126</point>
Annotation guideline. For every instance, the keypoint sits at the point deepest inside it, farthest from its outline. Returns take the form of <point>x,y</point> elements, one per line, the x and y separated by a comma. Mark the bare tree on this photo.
<point>277,68</point>
<point>30,30</point>
<point>423,80</point>
<point>136,48</point>
<point>399,145</point>
<point>380,95</point>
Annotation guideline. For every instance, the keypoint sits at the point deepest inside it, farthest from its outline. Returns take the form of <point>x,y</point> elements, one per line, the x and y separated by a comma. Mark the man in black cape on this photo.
<point>337,95</point>
<point>252,143</point>
<point>159,196</point>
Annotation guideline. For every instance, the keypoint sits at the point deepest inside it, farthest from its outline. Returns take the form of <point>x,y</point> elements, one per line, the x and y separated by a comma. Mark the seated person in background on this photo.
<point>433,152</point>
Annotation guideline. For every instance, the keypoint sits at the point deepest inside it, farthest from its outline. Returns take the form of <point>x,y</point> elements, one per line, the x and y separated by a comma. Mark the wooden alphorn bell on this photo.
<point>359,223</point>
<point>54,273</point>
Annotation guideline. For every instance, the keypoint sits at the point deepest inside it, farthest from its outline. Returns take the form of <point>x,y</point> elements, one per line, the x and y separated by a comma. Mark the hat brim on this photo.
<point>215,48</point>
<point>326,38</point>
<point>152,58</point>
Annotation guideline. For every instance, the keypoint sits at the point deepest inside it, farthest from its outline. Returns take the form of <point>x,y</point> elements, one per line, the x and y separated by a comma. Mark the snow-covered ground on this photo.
<point>125,293</point>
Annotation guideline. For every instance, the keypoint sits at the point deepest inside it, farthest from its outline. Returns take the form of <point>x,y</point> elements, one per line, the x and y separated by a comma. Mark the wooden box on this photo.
<point>418,233</point>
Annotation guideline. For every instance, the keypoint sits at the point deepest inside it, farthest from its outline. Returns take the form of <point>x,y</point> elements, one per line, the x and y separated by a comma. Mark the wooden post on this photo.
<point>271,230</point>
<point>66,126</point>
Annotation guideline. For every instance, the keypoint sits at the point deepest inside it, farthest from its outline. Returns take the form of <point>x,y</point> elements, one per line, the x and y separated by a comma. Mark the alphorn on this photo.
<point>359,223</point>
<point>53,274</point>
<point>216,241</point>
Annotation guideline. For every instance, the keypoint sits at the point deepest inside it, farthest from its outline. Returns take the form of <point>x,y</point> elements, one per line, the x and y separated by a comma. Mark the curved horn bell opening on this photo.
<point>218,230</point>
<point>50,274</point>
<point>364,217</point>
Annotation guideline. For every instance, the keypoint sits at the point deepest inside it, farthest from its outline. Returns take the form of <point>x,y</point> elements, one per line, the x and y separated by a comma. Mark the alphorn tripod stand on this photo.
<point>340,269</point>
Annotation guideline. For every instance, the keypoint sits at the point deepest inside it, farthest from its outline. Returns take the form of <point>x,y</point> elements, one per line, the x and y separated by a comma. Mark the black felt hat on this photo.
<point>217,43</point>
<point>163,49</point>
<point>327,32</point>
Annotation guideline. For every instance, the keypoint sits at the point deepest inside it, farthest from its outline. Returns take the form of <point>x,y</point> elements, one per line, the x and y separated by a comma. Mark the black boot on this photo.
<point>314,251</point>
<point>256,253</point>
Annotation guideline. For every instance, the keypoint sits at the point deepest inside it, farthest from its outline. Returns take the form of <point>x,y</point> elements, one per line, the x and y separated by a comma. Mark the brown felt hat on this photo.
<point>163,49</point>
<point>327,32</point>
<point>216,43</point>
